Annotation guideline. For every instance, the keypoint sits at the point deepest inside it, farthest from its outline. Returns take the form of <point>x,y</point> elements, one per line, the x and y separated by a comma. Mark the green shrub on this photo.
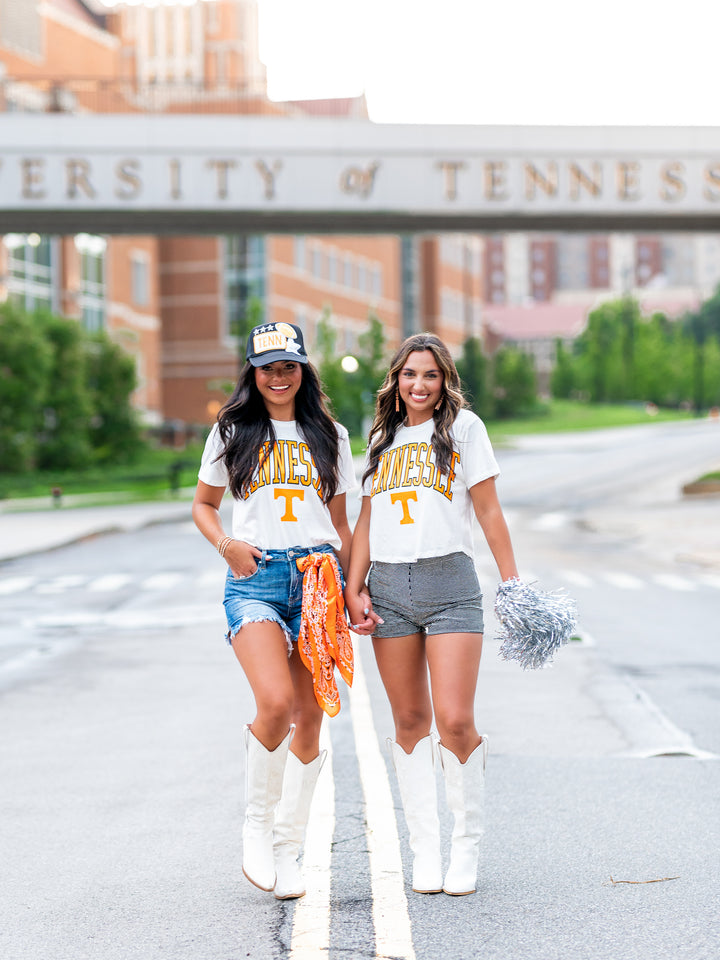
<point>25,362</point>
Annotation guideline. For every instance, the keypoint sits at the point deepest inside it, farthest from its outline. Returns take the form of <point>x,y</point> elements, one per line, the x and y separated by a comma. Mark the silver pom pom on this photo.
<point>534,623</point>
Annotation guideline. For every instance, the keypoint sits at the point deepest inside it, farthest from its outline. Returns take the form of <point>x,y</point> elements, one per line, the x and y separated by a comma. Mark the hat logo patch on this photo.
<point>274,340</point>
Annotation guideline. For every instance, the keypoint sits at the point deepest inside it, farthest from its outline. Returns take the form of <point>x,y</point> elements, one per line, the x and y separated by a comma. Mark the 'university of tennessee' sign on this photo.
<point>204,172</point>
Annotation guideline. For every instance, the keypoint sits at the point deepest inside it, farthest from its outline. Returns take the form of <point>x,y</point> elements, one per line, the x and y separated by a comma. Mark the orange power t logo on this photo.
<point>403,498</point>
<point>289,494</point>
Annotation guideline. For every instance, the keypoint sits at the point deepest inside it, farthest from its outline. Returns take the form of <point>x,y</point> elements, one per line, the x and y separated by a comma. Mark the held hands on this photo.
<point>241,558</point>
<point>362,616</point>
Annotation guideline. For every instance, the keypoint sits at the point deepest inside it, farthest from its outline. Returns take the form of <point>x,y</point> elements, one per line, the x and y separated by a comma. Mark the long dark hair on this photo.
<point>388,419</point>
<point>245,427</point>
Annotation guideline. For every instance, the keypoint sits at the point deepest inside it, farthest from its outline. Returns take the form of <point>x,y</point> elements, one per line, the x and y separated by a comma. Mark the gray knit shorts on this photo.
<point>433,595</point>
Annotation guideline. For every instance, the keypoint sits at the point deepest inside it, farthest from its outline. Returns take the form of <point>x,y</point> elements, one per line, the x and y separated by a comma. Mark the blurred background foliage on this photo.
<point>66,395</point>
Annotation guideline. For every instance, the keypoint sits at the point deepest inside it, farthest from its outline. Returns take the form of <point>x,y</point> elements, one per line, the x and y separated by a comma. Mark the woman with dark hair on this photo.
<point>430,467</point>
<point>288,466</point>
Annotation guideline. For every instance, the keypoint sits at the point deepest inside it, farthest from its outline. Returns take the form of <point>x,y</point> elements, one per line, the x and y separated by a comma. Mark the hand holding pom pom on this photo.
<point>534,624</point>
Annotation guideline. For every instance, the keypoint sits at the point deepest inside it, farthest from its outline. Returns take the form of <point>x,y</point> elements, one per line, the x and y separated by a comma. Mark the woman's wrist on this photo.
<point>222,544</point>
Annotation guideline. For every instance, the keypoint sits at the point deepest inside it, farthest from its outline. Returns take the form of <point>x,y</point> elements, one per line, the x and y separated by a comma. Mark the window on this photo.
<point>139,280</point>
<point>299,252</point>
<point>573,261</point>
<point>301,319</point>
<point>348,272</point>
<point>377,281</point>
<point>91,250</point>
<point>30,271</point>
<point>316,261</point>
<point>244,281</point>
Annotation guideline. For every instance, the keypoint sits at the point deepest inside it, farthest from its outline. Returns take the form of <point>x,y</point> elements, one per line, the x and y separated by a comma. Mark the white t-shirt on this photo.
<point>284,507</point>
<point>417,511</point>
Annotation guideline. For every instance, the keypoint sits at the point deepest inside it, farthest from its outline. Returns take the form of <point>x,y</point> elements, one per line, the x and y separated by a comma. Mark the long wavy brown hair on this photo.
<point>245,428</point>
<point>388,419</point>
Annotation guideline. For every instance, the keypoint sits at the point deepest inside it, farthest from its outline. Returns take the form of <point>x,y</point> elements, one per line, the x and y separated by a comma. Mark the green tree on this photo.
<point>562,379</point>
<point>25,360</point>
<point>473,369</point>
<point>656,378</point>
<point>114,429</point>
<point>64,439</point>
<point>514,383</point>
<point>371,365</point>
<point>352,394</point>
<point>628,317</point>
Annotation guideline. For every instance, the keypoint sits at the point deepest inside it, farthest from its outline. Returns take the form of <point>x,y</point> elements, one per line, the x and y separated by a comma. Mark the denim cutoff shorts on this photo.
<point>433,595</point>
<point>272,592</point>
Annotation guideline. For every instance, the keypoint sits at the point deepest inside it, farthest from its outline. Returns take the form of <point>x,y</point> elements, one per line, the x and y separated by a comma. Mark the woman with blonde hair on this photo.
<point>430,468</point>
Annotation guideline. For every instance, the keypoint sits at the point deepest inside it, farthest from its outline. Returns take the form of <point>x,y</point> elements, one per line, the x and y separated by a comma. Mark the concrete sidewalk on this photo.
<point>46,528</point>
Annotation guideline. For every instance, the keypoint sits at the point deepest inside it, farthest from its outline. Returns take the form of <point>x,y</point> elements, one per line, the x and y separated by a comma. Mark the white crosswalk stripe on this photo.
<point>60,584</point>
<point>110,583</point>
<point>673,582</point>
<point>213,578</point>
<point>576,578</point>
<point>550,521</point>
<point>161,581</point>
<point>15,585</point>
<point>624,581</point>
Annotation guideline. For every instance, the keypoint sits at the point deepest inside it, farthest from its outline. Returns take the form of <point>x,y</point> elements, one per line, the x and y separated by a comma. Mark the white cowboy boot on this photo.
<point>291,818</point>
<point>465,789</point>
<point>264,771</point>
<point>418,792</point>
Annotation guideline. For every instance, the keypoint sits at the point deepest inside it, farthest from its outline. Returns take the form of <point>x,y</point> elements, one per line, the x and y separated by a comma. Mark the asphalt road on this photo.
<point>121,710</point>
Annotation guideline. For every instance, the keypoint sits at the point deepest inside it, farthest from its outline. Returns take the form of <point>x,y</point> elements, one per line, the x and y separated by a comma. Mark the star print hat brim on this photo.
<point>271,342</point>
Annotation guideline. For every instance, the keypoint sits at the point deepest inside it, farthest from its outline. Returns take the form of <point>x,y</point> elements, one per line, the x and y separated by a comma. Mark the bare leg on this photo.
<point>454,661</point>
<point>404,672</point>
<point>261,649</point>
<point>307,714</point>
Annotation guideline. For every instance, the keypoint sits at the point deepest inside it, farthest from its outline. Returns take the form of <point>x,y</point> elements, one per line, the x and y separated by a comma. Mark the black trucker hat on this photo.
<point>269,342</point>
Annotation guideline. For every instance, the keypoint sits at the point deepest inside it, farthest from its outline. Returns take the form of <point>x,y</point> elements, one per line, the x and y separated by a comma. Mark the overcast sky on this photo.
<point>505,61</point>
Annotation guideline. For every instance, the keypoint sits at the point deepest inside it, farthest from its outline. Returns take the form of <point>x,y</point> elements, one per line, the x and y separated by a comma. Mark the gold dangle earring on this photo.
<point>397,400</point>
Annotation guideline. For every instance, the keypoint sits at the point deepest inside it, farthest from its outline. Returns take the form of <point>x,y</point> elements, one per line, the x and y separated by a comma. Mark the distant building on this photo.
<point>176,303</point>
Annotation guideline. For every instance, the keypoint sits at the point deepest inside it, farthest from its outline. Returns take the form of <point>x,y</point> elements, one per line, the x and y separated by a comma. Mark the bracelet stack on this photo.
<point>222,545</point>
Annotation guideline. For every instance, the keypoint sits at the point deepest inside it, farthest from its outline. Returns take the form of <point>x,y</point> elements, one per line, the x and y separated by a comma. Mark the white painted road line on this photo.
<point>214,577</point>
<point>575,577</point>
<point>311,920</point>
<point>109,583</point>
<point>393,934</point>
<point>550,521</point>
<point>673,582</point>
<point>161,581</point>
<point>15,585</point>
<point>60,584</point>
<point>624,581</point>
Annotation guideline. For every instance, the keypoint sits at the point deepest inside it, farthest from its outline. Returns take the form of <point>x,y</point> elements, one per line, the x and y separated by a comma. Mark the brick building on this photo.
<point>175,303</point>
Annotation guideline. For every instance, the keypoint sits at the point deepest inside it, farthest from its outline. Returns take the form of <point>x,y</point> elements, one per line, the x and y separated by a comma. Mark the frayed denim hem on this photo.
<point>230,636</point>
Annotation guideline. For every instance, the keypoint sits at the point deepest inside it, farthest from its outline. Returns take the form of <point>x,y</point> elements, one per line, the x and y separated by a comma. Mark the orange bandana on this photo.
<point>324,639</point>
